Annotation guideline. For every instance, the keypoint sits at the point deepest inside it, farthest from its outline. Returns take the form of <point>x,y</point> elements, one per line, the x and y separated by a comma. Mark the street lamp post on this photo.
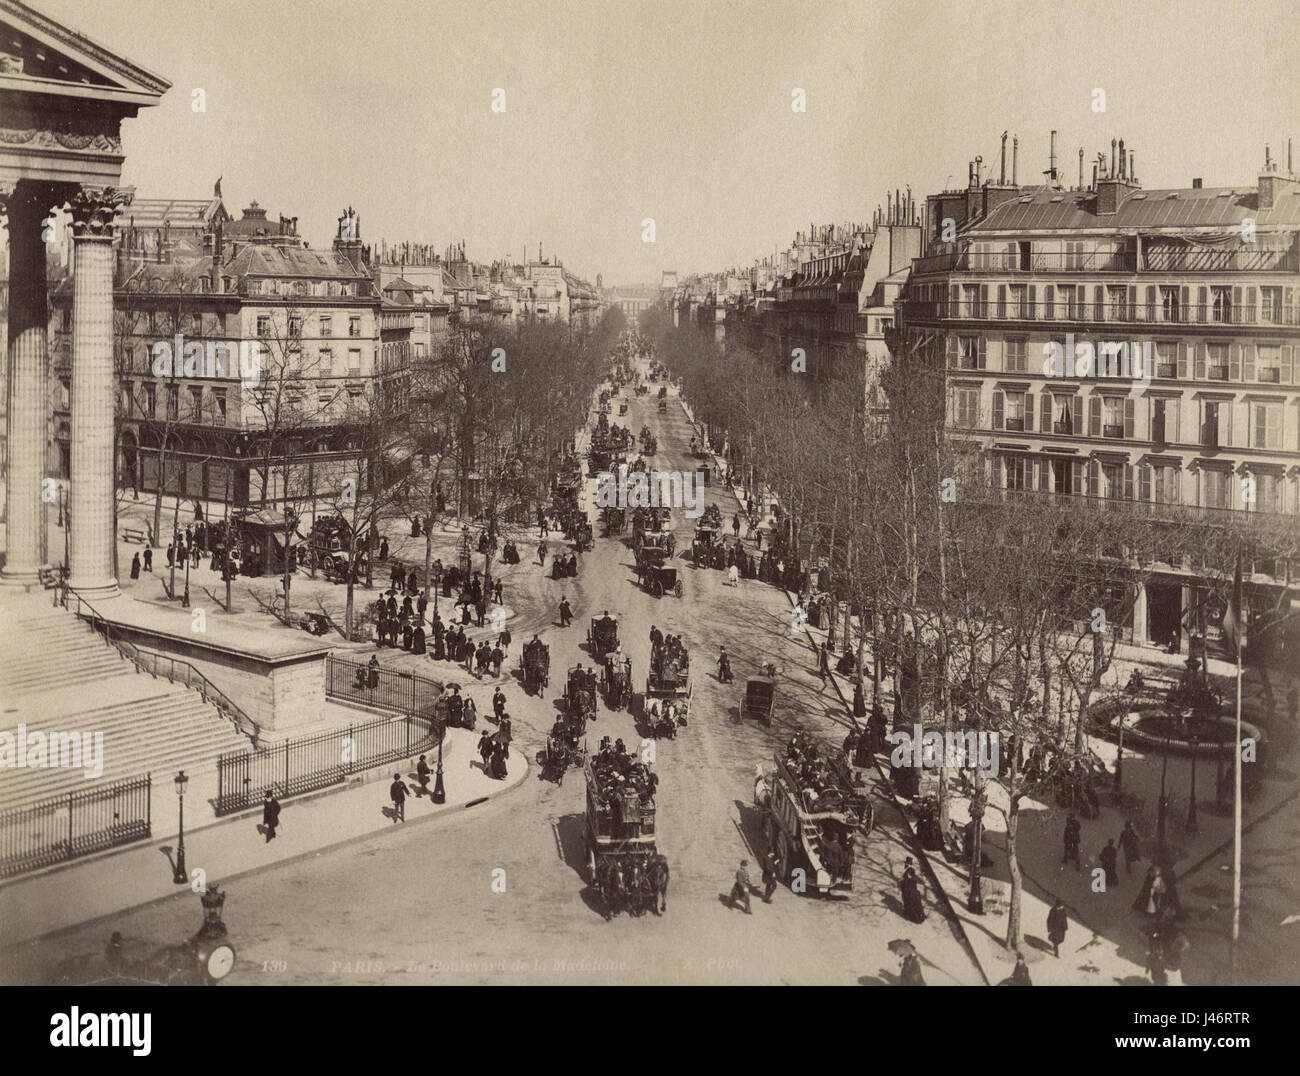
<point>179,875</point>
<point>1192,825</point>
<point>185,598</point>
<point>439,792</point>
<point>975,901</point>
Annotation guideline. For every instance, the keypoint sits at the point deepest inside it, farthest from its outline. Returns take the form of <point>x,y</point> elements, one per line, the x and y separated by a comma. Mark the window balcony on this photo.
<point>1268,375</point>
<point>1218,373</point>
<point>1113,431</point>
<point>1167,370</point>
<point>1063,427</point>
<point>1015,425</point>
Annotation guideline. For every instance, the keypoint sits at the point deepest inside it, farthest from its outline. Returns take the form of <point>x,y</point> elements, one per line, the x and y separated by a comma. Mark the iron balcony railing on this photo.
<point>1072,311</point>
<point>74,824</point>
<point>1246,259</point>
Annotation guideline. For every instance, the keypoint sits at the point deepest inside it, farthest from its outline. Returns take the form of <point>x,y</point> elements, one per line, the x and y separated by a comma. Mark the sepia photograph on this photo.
<point>616,494</point>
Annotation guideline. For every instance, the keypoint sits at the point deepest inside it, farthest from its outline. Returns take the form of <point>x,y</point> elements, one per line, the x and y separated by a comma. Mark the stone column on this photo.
<point>93,391</point>
<point>27,205</point>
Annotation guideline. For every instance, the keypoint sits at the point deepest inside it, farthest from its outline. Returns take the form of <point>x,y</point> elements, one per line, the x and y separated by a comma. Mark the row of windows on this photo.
<point>266,325</point>
<point>1248,362</point>
<point>1233,304</point>
<point>1115,417</point>
<point>1150,483</point>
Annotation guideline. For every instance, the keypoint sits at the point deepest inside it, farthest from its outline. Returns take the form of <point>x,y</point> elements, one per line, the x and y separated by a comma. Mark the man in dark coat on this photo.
<point>1071,837</point>
<point>373,671</point>
<point>485,748</point>
<point>135,566</point>
<point>740,890</point>
<point>769,876</point>
<point>1131,845</point>
<point>422,774</point>
<point>171,555</point>
<point>566,614</point>
<point>498,656</point>
<point>498,703</point>
<point>910,887</point>
<point>1057,922</point>
<point>417,641</point>
<point>270,816</point>
<point>1109,858</point>
<point>911,972</point>
<point>1020,976</point>
<point>397,792</point>
<point>148,559</point>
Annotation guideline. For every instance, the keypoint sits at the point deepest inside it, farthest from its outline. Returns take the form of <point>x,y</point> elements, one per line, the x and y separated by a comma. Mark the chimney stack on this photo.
<point>1015,156</point>
<point>1052,159</point>
<point>1003,175</point>
<point>1112,157</point>
<point>1122,169</point>
<point>1080,168</point>
<point>1132,172</point>
<point>1094,177</point>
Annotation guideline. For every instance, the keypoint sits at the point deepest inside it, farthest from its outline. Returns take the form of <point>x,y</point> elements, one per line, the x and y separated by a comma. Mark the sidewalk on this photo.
<point>104,885</point>
<point>1112,948</point>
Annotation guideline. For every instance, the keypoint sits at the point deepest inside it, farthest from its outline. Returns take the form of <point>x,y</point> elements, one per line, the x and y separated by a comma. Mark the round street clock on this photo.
<point>216,959</point>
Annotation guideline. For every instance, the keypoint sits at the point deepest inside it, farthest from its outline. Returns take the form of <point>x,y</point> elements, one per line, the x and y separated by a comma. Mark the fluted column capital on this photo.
<point>93,209</point>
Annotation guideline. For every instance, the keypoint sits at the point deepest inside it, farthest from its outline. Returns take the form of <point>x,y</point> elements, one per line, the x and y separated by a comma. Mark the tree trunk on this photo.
<point>1014,939</point>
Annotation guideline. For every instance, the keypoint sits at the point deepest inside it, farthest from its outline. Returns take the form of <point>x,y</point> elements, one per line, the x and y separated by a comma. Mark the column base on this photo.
<point>93,591</point>
<point>20,578</point>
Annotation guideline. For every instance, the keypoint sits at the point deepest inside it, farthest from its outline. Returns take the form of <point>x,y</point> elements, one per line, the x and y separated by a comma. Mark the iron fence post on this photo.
<point>286,767</point>
<point>71,801</point>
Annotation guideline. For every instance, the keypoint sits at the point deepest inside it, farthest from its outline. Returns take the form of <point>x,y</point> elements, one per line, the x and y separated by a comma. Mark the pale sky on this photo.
<point>678,111</point>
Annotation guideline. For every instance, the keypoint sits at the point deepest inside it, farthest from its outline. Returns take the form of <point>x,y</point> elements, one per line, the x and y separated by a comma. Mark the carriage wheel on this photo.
<point>678,588</point>
<point>657,589</point>
<point>591,865</point>
<point>868,819</point>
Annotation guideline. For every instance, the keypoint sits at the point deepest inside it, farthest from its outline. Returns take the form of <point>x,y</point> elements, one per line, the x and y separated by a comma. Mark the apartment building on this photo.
<point>1107,342</point>
<point>265,338</point>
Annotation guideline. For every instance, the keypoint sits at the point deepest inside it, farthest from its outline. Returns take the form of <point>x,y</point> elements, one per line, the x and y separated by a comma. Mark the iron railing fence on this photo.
<point>74,824</point>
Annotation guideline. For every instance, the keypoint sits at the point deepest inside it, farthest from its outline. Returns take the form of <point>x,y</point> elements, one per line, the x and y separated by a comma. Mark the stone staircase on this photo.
<point>62,676</point>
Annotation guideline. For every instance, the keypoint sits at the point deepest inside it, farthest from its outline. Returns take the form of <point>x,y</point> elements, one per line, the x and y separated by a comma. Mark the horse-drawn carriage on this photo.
<point>326,549</point>
<point>614,519</point>
<point>667,693</point>
<point>659,578</point>
<point>535,661</point>
<point>565,748</point>
<point>602,636</point>
<point>649,525</point>
<point>707,550</point>
<point>663,391</point>
<point>663,405</point>
<point>623,864</point>
<point>760,699</point>
<point>616,681</point>
<point>580,695</point>
<point>622,407</point>
<point>812,814</point>
<point>712,517</point>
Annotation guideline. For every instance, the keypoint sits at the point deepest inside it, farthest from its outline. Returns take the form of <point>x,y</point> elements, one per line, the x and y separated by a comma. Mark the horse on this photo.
<point>636,888</point>
<point>609,880</point>
<point>656,874</point>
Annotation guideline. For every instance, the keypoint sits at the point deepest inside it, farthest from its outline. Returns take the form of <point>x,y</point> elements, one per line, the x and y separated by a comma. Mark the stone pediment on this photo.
<point>44,58</point>
<point>62,100</point>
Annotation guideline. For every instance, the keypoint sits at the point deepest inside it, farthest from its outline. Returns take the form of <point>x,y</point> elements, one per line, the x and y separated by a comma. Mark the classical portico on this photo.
<point>62,101</point>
